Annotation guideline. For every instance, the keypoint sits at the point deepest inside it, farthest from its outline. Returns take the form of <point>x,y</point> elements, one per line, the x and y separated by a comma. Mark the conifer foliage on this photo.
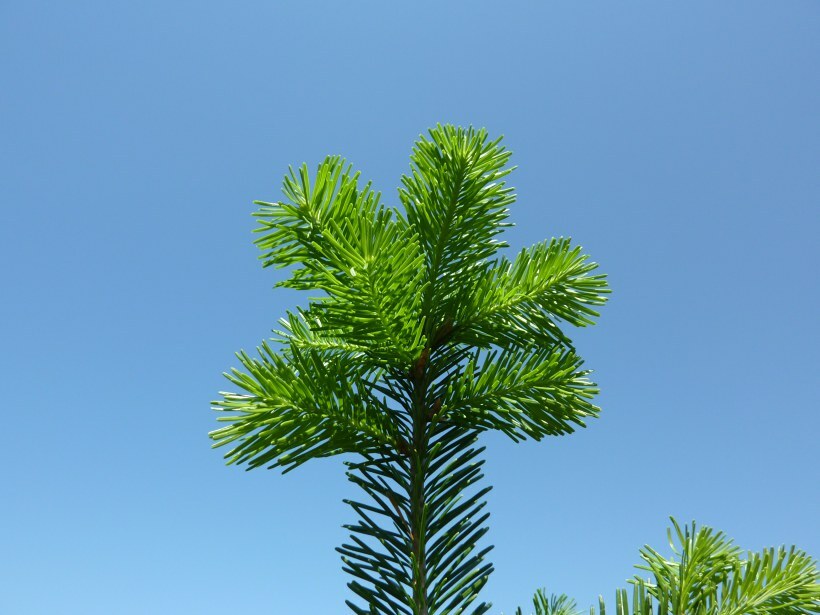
<point>708,575</point>
<point>421,335</point>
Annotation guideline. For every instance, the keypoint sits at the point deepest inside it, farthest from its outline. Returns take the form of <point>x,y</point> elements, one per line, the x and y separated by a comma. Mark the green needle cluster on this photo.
<point>419,336</point>
<point>708,575</point>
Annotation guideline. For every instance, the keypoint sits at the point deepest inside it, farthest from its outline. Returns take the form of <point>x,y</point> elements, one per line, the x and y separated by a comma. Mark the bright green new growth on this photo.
<point>707,575</point>
<point>420,336</point>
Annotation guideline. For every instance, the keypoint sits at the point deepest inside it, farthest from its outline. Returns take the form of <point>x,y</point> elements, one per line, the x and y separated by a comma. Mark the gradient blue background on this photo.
<point>679,143</point>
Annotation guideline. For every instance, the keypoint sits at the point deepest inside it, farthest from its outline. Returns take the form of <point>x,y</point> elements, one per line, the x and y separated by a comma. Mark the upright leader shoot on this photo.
<point>420,336</point>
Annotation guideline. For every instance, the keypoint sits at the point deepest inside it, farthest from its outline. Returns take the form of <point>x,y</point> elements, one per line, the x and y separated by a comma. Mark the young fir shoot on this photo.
<point>708,575</point>
<point>421,336</point>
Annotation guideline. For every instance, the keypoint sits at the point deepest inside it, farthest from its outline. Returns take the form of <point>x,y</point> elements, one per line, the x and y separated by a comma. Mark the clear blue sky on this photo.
<point>679,143</point>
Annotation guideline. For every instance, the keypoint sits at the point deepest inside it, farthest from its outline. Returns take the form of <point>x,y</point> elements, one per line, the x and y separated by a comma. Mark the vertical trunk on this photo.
<point>418,517</point>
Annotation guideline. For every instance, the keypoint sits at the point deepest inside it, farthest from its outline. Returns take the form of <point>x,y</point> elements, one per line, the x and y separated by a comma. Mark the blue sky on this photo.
<point>679,143</point>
